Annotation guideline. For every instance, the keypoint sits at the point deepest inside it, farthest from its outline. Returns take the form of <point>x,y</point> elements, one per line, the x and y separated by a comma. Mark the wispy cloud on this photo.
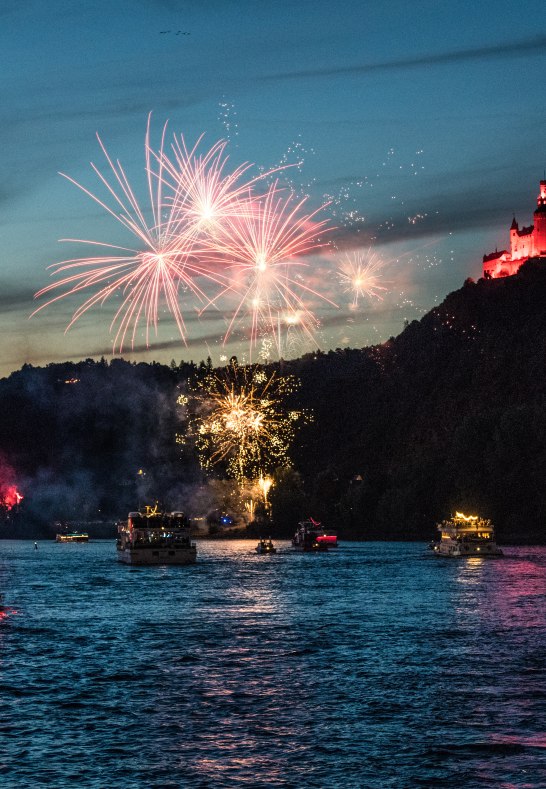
<point>514,49</point>
<point>198,343</point>
<point>14,297</point>
<point>461,218</point>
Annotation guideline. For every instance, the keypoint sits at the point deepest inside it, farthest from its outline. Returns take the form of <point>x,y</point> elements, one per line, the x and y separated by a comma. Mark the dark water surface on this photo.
<point>375,666</point>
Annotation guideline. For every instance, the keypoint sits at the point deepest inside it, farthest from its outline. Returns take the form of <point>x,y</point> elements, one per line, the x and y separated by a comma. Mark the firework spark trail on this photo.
<point>165,262</point>
<point>228,117</point>
<point>240,420</point>
<point>295,329</point>
<point>263,249</point>
<point>359,274</point>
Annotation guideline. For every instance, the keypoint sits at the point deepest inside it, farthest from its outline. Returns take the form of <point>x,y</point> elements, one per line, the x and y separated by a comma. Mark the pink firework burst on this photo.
<point>153,272</point>
<point>204,194</point>
<point>264,250</point>
<point>215,237</point>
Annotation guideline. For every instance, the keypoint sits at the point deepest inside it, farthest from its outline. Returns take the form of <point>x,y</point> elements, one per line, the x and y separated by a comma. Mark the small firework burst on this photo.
<point>360,275</point>
<point>10,497</point>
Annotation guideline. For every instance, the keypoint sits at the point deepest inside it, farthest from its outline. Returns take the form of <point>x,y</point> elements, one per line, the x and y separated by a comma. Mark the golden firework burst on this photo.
<point>239,420</point>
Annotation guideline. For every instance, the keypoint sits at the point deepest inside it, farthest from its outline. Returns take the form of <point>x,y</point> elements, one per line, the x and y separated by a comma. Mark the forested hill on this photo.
<point>450,415</point>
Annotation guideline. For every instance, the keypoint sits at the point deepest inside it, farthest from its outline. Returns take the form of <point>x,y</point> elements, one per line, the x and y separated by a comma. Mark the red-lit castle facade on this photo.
<point>525,243</point>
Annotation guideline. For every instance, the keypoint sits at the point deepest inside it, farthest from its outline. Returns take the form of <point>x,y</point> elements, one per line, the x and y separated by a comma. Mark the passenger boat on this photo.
<point>72,536</point>
<point>155,537</point>
<point>466,535</point>
<point>311,537</point>
<point>265,546</point>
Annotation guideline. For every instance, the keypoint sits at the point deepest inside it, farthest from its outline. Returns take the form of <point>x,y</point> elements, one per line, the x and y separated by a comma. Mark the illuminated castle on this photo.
<point>525,243</point>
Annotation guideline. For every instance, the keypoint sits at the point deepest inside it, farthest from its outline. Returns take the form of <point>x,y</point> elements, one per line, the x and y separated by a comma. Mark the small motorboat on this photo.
<point>265,546</point>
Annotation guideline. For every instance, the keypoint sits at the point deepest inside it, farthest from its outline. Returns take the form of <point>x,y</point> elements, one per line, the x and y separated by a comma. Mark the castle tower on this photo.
<point>525,243</point>
<point>540,222</point>
<point>514,233</point>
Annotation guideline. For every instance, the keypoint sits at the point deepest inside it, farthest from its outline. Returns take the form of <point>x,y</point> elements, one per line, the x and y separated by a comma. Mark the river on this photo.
<point>375,665</point>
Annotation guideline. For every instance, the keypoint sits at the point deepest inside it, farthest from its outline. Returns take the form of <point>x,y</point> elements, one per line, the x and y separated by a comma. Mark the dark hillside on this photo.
<point>92,440</point>
<point>448,415</point>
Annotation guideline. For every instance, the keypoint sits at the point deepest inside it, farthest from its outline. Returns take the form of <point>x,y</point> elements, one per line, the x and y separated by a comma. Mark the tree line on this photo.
<point>450,415</point>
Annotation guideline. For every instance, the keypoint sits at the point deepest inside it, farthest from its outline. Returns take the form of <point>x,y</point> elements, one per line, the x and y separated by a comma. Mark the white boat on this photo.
<point>155,537</point>
<point>466,535</point>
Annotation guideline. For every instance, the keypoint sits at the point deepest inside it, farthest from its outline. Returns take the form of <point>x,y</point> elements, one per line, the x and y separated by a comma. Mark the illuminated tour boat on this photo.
<point>310,536</point>
<point>72,536</point>
<point>155,537</point>
<point>265,546</point>
<point>466,535</point>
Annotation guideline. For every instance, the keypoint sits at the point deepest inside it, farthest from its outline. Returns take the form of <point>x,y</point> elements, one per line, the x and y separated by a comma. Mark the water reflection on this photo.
<point>370,667</point>
<point>252,589</point>
<point>509,591</point>
<point>231,689</point>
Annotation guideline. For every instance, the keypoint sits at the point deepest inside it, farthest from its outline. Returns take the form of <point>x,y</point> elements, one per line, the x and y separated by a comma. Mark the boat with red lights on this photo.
<point>310,536</point>
<point>156,537</point>
<point>466,535</point>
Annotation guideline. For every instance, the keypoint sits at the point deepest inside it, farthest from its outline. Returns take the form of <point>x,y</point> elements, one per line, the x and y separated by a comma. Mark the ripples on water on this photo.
<point>375,666</point>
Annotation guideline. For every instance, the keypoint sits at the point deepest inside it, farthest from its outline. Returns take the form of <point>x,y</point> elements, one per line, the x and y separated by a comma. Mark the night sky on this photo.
<point>423,124</point>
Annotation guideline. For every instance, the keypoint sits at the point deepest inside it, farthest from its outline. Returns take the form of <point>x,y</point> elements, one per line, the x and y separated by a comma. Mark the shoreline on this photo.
<point>251,538</point>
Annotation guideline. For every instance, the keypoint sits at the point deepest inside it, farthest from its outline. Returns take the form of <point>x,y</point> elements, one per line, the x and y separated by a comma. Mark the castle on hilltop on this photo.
<point>525,243</point>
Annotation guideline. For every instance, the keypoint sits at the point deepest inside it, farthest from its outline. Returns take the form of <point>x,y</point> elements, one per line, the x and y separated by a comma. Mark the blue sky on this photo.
<point>423,123</point>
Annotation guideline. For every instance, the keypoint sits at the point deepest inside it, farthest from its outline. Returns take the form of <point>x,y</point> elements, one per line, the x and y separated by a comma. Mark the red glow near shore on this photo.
<point>10,496</point>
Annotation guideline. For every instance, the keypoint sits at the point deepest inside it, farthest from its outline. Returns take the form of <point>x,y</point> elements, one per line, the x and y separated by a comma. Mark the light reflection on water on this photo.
<point>376,665</point>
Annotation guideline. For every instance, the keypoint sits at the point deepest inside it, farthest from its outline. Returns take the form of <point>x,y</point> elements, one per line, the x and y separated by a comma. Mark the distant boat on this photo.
<point>466,535</point>
<point>72,536</point>
<point>311,537</point>
<point>265,546</point>
<point>155,537</point>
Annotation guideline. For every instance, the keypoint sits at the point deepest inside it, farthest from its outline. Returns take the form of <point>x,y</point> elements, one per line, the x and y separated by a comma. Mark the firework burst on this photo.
<point>164,262</point>
<point>360,275</point>
<point>293,331</point>
<point>204,195</point>
<point>240,421</point>
<point>263,249</point>
<point>207,237</point>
